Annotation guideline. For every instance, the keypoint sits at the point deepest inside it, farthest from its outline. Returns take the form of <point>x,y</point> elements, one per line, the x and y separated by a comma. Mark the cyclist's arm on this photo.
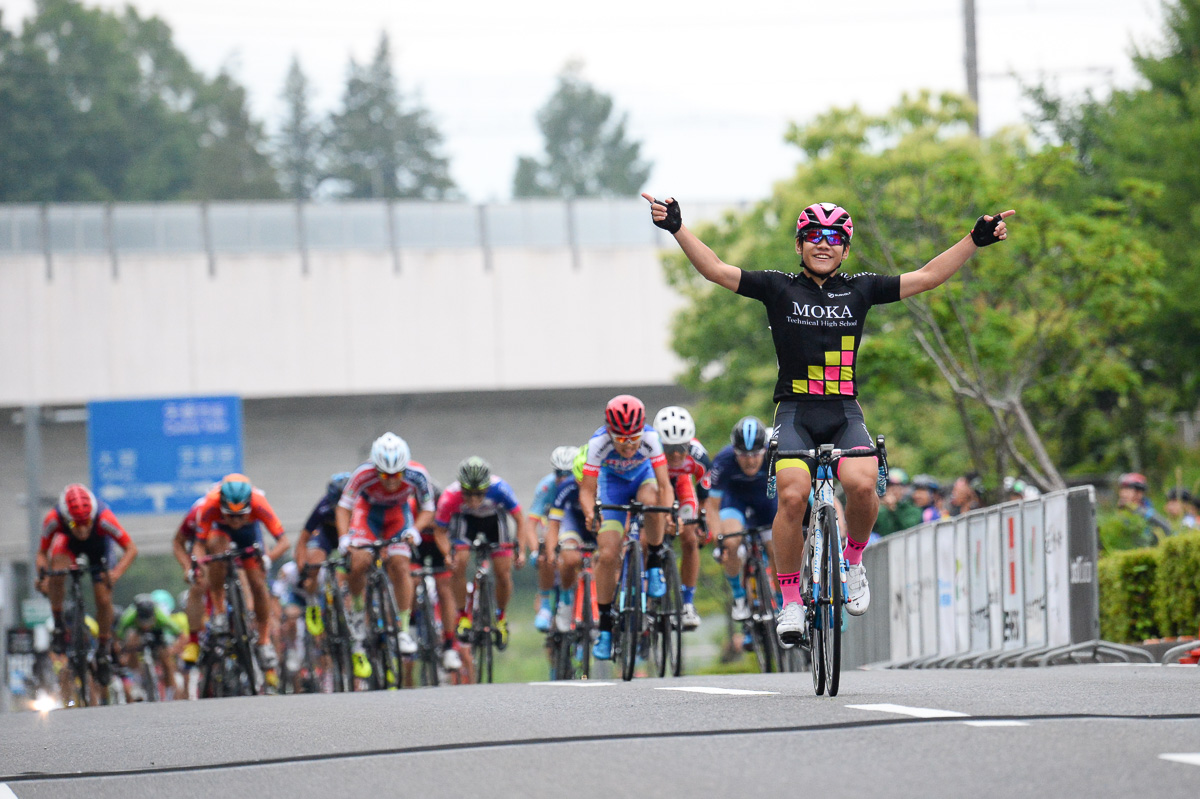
<point>587,499</point>
<point>342,518</point>
<point>128,555</point>
<point>706,262</point>
<point>666,491</point>
<point>165,623</point>
<point>301,553</point>
<point>125,622</point>
<point>943,267</point>
<point>424,520</point>
<point>179,549</point>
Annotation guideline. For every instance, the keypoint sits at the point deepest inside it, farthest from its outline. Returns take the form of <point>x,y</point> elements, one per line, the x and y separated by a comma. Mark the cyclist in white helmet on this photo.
<point>687,460</point>
<point>563,460</point>
<point>375,507</point>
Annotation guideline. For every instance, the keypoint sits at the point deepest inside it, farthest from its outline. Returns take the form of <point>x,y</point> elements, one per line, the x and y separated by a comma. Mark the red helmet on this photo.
<point>1133,480</point>
<point>826,215</point>
<point>625,415</point>
<point>77,506</point>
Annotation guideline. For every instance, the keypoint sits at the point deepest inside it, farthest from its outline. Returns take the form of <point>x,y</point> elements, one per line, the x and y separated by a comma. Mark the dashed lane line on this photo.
<point>6,792</point>
<point>1190,758</point>
<point>700,689</point>
<point>915,712</point>
<point>997,723</point>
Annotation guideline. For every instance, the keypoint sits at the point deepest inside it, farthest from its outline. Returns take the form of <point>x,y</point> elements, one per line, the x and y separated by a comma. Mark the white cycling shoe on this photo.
<point>790,625</point>
<point>691,619</point>
<point>858,593</point>
<point>741,608</point>
<point>407,645</point>
<point>451,661</point>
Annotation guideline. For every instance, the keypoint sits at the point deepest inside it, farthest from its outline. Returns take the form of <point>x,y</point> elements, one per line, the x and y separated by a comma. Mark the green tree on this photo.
<point>298,144</point>
<point>1026,334</point>
<point>1136,148</point>
<point>231,163</point>
<point>381,145</point>
<point>105,107</point>
<point>587,150</point>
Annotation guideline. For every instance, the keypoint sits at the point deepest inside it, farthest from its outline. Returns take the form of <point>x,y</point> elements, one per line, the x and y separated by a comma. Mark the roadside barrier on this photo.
<point>1007,585</point>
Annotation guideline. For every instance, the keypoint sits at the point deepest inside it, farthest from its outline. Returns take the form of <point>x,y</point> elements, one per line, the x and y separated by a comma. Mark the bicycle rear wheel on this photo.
<point>630,618</point>
<point>427,638</point>
<point>833,612</point>
<point>393,661</point>
<point>337,641</point>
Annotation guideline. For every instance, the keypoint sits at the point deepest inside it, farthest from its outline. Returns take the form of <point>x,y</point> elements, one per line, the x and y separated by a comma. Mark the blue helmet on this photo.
<point>236,491</point>
<point>337,484</point>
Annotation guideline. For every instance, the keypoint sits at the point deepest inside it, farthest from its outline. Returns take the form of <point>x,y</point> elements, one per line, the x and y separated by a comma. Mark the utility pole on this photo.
<point>970,59</point>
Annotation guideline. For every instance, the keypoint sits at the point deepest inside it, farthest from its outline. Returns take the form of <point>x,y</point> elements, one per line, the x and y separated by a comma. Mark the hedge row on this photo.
<point>1151,593</point>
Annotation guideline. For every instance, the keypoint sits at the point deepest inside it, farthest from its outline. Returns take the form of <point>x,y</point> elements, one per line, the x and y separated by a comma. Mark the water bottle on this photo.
<point>881,482</point>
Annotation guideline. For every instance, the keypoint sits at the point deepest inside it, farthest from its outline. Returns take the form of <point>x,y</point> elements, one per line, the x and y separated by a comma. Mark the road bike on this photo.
<point>759,627</point>
<point>382,619</point>
<point>823,576</point>
<point>630,629</point>
<point>664,615</point>
<point>86,686</point>
<point>481,608</point>
<point>152,673</point>
<point>228,666</point>
<point>326,623</point>
<point>571,649</point>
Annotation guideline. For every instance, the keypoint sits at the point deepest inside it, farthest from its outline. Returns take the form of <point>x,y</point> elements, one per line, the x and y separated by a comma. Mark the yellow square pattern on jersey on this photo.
<point>834,377</point>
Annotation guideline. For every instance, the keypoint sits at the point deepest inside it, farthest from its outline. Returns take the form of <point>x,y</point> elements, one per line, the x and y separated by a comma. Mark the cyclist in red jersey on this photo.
<point>230,515</point>
<point>79,524</point>
<point>687,461</point>
<point>816,319</point>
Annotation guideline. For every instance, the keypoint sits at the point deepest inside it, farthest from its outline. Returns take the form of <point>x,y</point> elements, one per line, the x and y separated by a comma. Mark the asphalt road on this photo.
<point>1099,730</point>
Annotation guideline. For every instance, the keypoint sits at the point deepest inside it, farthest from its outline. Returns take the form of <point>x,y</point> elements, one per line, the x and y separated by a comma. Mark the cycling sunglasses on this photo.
<point>814,235</point>
<point>389,475</point>
<point>626,439</point>
<point>675,449</point>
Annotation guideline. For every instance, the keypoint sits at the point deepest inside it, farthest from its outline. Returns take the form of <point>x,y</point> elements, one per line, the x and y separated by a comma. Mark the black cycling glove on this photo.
<point>984,232</point>
<point>674,219</point>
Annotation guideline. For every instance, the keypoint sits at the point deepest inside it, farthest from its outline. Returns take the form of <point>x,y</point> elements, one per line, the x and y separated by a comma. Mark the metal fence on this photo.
<point>232,227</point>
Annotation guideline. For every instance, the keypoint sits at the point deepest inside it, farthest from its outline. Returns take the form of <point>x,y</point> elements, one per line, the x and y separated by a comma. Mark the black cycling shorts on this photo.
<point>809,423</point>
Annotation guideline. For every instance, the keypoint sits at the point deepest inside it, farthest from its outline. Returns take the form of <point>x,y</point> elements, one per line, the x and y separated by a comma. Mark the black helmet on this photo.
<point>145,607</point>
<point>749,435</point>
<point>337,483</point>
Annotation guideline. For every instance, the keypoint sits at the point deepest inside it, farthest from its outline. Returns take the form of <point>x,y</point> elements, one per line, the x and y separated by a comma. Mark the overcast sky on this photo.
<point>709,86</point>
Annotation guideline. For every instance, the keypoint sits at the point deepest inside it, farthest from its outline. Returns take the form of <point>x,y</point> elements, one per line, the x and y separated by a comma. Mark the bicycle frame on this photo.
<point>481,608</point>
<point>384,628</point>
<point>80,656</point>
<point>238,638</point>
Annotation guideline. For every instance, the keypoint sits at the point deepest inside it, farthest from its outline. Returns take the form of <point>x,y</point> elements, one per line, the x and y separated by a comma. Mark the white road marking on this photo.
<point>1191,758</point>
<point>699,689</point>
<point>918,712</point>
<point>997,723</point>
<point>570,683</point>
<point>6,792</point>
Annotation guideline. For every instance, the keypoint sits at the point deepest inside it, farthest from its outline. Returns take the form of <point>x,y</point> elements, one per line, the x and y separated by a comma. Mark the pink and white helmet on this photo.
<point>826,215</point>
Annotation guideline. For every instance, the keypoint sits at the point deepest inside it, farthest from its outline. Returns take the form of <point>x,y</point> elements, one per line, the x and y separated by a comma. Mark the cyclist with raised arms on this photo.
<point>738,497</point>
<point>816,318</point>
<point>563,460</point>
<point>374,506</point>
<point>231,514</point>
<point>687,461</point>
<point>80,524</point>
<point>625,461</point>
<point>483,503</point>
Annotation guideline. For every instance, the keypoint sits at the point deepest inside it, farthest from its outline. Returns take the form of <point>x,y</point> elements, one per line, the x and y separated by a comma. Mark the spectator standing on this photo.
<point>925,493</point>
<point>1136,522</point>
<point>896,510</point>
<point>966,494</point>
<point>1181,509</point>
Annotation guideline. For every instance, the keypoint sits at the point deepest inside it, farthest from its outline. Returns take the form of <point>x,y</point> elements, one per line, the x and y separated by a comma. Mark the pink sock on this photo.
<point>789,586</point>
<point>853,551</point>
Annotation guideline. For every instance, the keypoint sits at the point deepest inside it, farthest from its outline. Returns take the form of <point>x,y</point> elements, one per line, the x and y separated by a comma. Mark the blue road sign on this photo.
<point>158,456</point>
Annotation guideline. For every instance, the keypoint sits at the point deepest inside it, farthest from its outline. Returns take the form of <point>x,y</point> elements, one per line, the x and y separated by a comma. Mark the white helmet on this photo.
<point>674,425</point>
<point>390,453</point>
<point>563,458</point>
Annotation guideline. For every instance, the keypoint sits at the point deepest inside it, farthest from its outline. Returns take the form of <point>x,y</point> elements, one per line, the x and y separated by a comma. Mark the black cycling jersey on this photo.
<point>817,329</point>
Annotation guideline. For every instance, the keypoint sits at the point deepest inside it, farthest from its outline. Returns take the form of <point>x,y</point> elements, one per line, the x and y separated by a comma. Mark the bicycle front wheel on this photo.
<point>241,637</point>
<point>630,618</point>
<point>816,594</point>
<point>483,647</point>
<point>428,643</point>
<point>585,624</point>
<point>833,610</point>
<point>674,615</point>
<point>762,617</point>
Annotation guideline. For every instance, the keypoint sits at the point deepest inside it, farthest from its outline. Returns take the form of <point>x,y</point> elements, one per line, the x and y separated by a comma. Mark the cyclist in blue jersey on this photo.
<point>625,461</point>
<point>320,534</point>
<point>562,459</point>
<point>738,497</point>
<point>568,526</point>
<point>816,318</point>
